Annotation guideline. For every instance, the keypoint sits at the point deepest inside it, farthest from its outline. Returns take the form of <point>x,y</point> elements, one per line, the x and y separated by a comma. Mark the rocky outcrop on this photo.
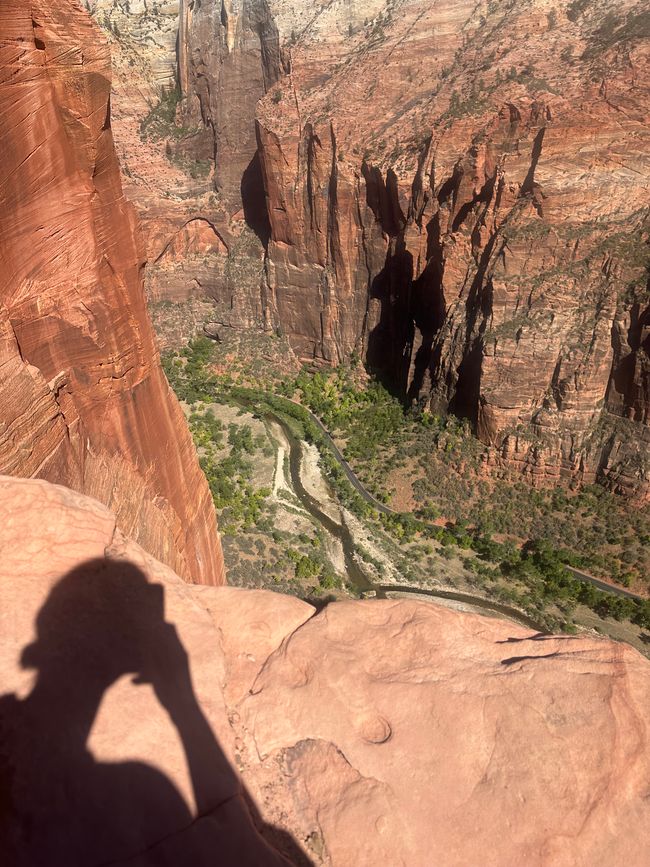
<point>458,192</point>
<point>168,125</point>
<point>229,57</point>
<point>84,400</point>
<point>376,732</point>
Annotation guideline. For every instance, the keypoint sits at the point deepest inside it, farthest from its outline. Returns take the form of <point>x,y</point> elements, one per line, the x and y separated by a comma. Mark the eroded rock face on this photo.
<point>229,58</point>
<point>460,192</point>
<point>84,400</point>
<point>456,193</point>
<point>171,115</point>
<point>395,732</point>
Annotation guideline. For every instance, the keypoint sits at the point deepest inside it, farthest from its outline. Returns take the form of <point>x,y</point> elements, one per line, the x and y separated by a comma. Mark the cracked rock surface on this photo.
<point>84,400</point>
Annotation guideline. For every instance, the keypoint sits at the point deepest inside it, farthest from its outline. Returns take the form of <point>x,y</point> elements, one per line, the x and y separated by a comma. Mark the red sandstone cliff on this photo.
<point>458,192</point>
<point>84,401</point>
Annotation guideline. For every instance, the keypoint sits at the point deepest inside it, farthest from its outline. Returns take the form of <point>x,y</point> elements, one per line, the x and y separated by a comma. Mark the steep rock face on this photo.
<point>153,28</point>
<point>460,192</point>
<point>456,192</point>
<point>84,400</point>
<point>229,56</point>
<point>408,733</point>
<point>167,145</point>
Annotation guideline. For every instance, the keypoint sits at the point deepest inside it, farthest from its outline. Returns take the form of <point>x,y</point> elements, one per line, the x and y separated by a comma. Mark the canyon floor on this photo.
<point>280,544</point>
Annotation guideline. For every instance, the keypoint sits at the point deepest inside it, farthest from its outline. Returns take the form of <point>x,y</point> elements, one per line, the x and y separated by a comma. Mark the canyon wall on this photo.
<point>84,400</point>
<point>371,732</point>
<point>459,193</point>
<point>455,192</point>
<point>230,56</point>
<point>172,111</point>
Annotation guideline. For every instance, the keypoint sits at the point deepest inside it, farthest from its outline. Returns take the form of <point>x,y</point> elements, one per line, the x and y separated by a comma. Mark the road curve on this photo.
<point>603,585</point>
<point>347,469</point>
<point>382,507</point>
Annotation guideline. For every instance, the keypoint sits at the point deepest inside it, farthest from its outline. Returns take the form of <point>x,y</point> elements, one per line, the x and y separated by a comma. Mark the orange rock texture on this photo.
<point>375,732</point>
<point>457,192</point>
<point>196,239</point>
<point>84,400</point>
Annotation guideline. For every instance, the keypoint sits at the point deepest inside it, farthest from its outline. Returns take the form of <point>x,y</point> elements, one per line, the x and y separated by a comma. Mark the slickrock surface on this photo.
<point>95,769</point>
<point>84,400</point>
<point>392,732</point>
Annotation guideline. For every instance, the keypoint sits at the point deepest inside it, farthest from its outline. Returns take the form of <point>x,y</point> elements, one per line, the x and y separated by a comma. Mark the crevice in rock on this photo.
<point>514,659</point>
<point>382,199</point>
<point>391,341</point>
<point>466,390</point>
<point>483,196</point>
<point>186,225</point>
<point>628,390</point>
<point>428,311</point>
<point>529,181</point>
<point>450,187</point>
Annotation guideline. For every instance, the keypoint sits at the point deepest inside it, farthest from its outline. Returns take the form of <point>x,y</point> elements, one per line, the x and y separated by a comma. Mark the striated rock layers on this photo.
<point>229,56</point>
<point>84,401</point>
<point>194,216</point>
<point>458,193</point>
<point>394,732</point>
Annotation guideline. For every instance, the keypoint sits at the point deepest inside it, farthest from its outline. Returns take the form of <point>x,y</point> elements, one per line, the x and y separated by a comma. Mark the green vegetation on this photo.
<point>229,476</point>
<point>474,104</point>
<point>192,167</point>
<point>308,566</point>
<point>577,8</point>
<point>616,28</point>
<point>160,122</point>
<point>522,539</point>
<point>257,553</point>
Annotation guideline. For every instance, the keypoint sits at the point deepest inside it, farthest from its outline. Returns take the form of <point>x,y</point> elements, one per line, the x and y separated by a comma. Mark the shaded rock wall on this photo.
<point>229,56</point>
<point>461,194</point>
<point>84,400</point>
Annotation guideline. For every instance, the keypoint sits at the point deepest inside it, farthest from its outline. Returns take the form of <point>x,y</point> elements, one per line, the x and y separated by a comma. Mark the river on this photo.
<point>358,577</point>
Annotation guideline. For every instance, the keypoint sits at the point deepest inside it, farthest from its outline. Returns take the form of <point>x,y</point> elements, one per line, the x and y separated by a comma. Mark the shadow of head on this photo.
<point>99,620</point>
<point>59,804</point>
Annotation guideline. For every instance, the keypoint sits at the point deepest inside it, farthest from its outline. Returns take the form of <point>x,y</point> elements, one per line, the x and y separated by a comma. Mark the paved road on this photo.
<point>347,469</point>
<point>602,585</point>
<point>382,507</point>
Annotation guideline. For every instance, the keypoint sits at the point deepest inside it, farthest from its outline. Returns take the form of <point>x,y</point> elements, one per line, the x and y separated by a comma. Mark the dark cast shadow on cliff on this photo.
<point>391,340</point>
<point>59,805</point>
<point>253,199</point>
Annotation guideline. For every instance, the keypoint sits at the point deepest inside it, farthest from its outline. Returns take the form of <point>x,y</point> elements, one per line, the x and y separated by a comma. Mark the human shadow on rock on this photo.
<point>59,805</point>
